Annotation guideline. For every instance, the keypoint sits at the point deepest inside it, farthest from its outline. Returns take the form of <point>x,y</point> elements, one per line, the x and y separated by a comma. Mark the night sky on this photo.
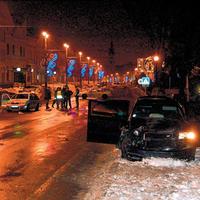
<point>137,28</point>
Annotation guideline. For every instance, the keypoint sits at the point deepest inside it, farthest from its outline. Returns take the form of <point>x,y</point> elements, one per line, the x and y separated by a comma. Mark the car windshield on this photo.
<point>20,96</point>
<point>156,110</point>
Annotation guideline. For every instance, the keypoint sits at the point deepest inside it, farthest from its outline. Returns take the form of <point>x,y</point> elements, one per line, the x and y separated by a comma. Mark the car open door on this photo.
<point>4,99</point>
<point>105,119</point>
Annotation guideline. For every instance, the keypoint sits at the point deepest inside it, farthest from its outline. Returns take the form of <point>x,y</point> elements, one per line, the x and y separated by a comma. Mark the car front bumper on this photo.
<point>138,154</point>
<point>16,108</point>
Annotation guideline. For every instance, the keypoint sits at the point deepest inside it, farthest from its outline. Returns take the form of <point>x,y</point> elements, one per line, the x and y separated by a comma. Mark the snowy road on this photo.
<point>155,178</point>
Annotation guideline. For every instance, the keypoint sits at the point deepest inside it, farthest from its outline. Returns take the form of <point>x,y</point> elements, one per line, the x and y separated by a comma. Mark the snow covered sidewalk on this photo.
<point>154,178</point>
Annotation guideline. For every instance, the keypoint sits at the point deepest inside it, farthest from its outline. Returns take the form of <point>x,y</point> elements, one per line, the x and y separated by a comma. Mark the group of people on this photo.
<point>62,98</point>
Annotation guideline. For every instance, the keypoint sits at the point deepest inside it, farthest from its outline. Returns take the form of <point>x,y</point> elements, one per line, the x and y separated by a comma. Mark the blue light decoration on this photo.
<point>100,74</point>
<point>126,79</point>
<point>52,64</point>
<point>83,70</point>
<point>71,66</point>
<point>91,71</point>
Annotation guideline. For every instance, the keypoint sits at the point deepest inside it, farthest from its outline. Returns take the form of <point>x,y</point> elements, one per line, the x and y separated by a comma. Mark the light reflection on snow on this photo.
<point>153,178</point>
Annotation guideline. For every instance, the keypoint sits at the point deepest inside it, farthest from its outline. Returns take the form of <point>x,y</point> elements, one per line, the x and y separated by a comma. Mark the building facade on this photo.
<point>20,54</point>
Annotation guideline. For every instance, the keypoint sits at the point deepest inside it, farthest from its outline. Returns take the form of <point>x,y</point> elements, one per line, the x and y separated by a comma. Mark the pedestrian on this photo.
<point>70,95</point>
<point>47,97</point>
<point>64,97</point>
<point>54,100</point>
<point>77,97</point>
<point>58,97</point>
<point>68,98</point>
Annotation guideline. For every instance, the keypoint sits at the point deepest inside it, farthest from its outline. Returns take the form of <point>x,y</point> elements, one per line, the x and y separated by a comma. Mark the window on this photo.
<point>13,49</point>
<point>21,51</point>
<point>8,49</point>
<point>20,96</point>
<point>7,74</point>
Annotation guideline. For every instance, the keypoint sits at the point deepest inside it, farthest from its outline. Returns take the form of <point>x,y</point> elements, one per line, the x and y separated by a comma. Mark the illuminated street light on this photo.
<point>80,55</point>
<point>66,46</point>
<point>156,59</point>
<point>54,72</point>
<point>88,58</point>
<point>45,36</point>
<point>18,69</point>
<point>66,49</point>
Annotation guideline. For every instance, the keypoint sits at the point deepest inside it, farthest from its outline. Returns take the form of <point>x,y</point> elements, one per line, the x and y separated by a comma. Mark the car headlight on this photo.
<point>187,135</point>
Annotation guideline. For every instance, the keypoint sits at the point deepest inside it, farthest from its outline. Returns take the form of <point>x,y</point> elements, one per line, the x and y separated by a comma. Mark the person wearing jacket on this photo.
<point>47,97</point>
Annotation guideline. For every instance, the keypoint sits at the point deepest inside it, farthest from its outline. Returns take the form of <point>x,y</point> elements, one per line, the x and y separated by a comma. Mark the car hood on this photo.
<point>159,125</point>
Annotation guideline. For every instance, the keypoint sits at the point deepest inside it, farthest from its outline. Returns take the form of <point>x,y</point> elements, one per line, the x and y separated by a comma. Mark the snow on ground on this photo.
<point>153,178</point>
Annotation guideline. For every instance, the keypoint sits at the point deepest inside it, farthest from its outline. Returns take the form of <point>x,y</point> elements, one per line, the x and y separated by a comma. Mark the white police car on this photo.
<point>23,102</point>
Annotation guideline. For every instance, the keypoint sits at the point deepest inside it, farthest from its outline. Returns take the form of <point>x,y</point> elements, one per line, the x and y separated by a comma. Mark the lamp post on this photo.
<point>88,59</point>
<point>66,46</point>
<point>80,56</point>
<point>94,61</point>
<point>156,59</point>
<point>46,36</point>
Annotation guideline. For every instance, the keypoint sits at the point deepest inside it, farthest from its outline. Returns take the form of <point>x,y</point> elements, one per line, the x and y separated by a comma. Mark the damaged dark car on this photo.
<point>158,128</point>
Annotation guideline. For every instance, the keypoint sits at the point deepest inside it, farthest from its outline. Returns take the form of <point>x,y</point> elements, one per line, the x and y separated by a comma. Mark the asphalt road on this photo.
<point>45,155</point>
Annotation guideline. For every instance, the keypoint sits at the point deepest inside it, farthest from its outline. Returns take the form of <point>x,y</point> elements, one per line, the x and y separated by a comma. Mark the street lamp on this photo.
<point>46,36</point>
<point>66,46</point>
<point>94,61</point>
<point>156,59</point>
<point>88,59</point>
<point>80,55</point>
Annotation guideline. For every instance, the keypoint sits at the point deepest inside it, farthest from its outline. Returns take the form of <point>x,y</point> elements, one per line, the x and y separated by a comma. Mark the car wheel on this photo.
<point>125,147</point>
<point>104,96</point>
<point>37,107</point>
<point>190,156</point>
<point>28,108</point>
<point>84,96</point>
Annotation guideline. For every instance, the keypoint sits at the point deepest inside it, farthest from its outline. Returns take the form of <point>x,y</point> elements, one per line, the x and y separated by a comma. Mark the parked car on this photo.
<point>158,126</point>
<point>5,97</point>
<point>23,102</point>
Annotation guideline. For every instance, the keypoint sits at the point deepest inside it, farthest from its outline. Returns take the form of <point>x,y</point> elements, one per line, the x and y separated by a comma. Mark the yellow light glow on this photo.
<point>66,45</point>
<point>45,34</point>
<point>155,58</point>
<point>80,53</point>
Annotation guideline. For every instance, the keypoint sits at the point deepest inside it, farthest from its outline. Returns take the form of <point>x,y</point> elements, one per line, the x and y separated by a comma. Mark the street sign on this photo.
<point>144,81</point>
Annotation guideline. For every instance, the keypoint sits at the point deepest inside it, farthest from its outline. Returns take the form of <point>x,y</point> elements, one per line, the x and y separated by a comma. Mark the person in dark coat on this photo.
<point>64,95</point>
<point>47,97</point>
<point>70,95</point>
<point>77,97</point>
